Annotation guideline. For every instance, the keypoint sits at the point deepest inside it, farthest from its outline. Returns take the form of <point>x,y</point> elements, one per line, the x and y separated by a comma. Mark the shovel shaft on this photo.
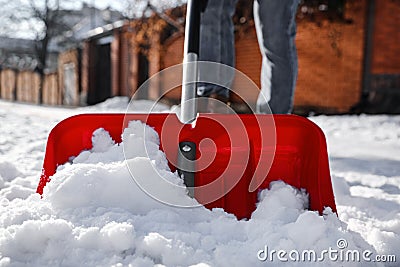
<point>191,54</point>
<point>192,27</point>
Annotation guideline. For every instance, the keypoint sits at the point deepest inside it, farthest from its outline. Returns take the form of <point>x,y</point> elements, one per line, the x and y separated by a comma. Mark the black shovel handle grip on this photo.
<point>194,10</point>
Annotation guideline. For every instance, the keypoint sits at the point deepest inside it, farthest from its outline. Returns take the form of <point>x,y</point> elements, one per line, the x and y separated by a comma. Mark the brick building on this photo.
<point>381,80</point>
<point>19,64</point>
<point>349,64</point>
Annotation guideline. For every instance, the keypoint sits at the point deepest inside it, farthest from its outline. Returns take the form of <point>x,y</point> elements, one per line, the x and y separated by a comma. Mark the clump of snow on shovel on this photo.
<point>101,140</point>
<point>101,177</point>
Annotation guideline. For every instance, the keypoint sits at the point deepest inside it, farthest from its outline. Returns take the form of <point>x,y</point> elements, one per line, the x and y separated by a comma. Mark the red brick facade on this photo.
<point>330,61</point>
<point>386,41</point>
<point>331,55</point>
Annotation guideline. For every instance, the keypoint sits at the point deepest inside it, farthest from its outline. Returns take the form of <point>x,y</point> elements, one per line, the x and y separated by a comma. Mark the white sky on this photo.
<point>115,4</point>
<point>25,29</point>
<point>119,4</point>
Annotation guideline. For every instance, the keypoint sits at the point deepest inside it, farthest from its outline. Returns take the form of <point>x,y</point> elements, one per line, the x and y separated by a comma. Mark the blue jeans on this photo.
<point>217,44</point>
<point>276,31</point>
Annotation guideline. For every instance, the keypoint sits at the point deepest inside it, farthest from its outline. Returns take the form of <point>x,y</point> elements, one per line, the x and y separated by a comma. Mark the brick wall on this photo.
<point>124,69</point>
<point>155,65</point>
<point>386,41</point>
<point>248,61</point>
<point>116,63</point>
<point>330,62</point>
<point>125,62</point>
<point>245,50</point>
<point>124,66</point>
<point>172,55</point>
<point>133,66</point>
<point>330,59</point>
<point>85,69</point>
<point>126,88</point>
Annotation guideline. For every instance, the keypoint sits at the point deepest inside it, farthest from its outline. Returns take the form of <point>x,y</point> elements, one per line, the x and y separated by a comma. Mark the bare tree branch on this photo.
<point>43,19</point>
<point>166,18</point>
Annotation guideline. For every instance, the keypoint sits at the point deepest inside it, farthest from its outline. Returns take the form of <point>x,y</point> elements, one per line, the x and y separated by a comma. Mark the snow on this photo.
<point>122,104</point>
<point>94,214</point>
<point>365,164</point>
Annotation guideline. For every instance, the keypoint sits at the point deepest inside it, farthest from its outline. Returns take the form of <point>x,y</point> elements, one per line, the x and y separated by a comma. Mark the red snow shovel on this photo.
<point>224,159</point>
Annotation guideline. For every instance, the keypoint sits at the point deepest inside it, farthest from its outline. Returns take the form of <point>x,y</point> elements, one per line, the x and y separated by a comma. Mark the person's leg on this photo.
<point>276,31</point>
<point>217,45</point>
<point>227,48</point>
<point>210,43</point>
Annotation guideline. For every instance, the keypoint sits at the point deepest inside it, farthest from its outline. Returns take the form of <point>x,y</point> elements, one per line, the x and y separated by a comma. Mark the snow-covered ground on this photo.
<point>93,214</point>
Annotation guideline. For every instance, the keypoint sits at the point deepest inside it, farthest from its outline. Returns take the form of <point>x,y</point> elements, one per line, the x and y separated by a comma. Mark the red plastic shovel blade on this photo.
<point>236,155</point>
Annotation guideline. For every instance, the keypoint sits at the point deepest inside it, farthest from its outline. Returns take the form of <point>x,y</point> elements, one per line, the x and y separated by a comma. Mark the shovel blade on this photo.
<point>236,155</point>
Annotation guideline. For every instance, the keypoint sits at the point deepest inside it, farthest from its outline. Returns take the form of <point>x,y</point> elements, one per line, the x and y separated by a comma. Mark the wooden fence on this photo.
<point>23,86</point>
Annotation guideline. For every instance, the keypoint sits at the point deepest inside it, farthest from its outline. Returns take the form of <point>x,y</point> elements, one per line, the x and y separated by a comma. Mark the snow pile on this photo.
<point>101,175</point>
<point>94,214</point>
<point>122,104</point>
<point>23,135</point>
<point>103,226</point>
<point>365,163</point>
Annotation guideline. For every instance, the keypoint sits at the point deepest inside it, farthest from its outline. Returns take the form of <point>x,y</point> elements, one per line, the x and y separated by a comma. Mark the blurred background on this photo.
<point>78,53</point>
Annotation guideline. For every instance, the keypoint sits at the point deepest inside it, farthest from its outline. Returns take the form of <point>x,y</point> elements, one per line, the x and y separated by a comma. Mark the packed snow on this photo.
<point>93,213</point>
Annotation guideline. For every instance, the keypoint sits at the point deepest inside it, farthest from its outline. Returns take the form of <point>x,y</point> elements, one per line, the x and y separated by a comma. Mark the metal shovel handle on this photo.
<point>190,58</point>
<point>187,149</point>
